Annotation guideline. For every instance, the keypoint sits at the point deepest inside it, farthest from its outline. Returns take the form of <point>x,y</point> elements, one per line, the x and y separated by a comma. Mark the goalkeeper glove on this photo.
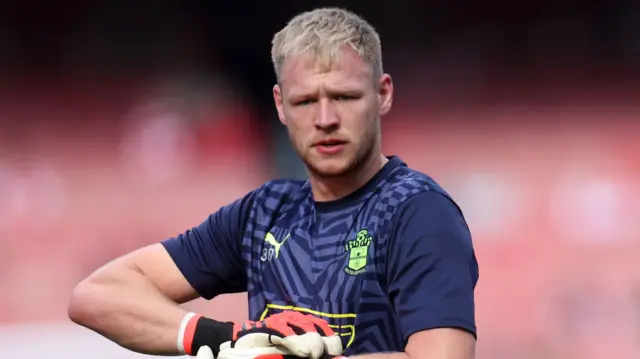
<point>275,352</point>
<point>300,335</point>
<point>324,344</point>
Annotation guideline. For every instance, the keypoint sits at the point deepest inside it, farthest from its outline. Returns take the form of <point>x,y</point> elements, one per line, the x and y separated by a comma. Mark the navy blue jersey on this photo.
<point>391,259</point>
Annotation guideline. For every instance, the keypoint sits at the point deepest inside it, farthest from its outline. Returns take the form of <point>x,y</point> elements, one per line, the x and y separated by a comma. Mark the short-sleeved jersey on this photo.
<point>391,259</point>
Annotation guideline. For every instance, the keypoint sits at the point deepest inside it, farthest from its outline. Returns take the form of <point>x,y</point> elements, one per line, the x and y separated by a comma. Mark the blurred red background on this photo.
<point>551,192</point>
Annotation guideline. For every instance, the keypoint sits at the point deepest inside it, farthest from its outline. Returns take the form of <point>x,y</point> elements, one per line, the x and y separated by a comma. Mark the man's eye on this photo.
<point>304,102</point>
<point>343,98</point>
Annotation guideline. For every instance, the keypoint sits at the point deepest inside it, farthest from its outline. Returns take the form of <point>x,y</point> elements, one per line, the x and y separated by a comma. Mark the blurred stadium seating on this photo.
<point>551,193</point>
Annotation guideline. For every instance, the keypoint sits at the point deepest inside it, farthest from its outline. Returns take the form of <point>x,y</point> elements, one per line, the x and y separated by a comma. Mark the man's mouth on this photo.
<point>330,146</point>
<point>330,142</point>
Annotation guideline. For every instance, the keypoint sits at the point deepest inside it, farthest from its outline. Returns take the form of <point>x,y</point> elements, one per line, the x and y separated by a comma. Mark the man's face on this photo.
<point>332,116</point>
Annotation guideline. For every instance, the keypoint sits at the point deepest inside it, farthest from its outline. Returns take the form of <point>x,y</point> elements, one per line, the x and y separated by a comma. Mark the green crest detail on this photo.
<point>358,251</point>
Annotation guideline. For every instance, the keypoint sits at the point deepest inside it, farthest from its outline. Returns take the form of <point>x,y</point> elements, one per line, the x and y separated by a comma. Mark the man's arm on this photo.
<point>134,300</point>
<point>440,343</point>
<point>432,272</point>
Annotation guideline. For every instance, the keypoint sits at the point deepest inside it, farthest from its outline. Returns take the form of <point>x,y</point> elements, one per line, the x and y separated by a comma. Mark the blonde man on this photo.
<point>367,249</point>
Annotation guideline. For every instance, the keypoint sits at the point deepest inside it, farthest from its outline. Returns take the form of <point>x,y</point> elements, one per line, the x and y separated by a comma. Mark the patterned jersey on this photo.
<point>391,259</point>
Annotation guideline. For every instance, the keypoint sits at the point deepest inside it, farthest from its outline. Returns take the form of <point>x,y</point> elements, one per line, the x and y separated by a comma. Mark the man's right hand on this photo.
<point>301,335</point>
<point>290,334</point>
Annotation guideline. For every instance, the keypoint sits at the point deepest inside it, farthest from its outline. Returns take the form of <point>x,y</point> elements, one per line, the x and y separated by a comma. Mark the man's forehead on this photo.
<point>304,70</point>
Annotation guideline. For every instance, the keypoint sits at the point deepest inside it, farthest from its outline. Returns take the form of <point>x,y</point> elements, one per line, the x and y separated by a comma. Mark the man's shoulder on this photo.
<point>407,187</point>
<point>404,183</point>
<point>275,193</point>
<point>281,187</point>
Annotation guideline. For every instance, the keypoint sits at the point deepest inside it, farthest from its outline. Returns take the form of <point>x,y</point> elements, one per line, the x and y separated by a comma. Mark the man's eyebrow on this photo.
<point>346,88</point>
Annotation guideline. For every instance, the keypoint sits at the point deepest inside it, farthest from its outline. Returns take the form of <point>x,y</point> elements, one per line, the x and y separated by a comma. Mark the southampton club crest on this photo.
<point>358,252</point>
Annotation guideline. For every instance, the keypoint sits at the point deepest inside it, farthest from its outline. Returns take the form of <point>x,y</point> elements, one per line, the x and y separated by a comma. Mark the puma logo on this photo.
<point>269,238</point>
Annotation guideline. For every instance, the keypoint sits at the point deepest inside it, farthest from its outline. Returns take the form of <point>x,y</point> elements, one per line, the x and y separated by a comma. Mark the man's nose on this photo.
<point>326,118</point>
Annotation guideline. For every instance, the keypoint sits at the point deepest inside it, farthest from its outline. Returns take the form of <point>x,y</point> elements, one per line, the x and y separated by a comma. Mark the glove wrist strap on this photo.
<point>197,331</point>
<point>183,336</point>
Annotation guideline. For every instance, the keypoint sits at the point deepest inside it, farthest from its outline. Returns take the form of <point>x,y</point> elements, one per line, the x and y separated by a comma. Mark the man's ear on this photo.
<point>385,93</point>
<point>279,101</point>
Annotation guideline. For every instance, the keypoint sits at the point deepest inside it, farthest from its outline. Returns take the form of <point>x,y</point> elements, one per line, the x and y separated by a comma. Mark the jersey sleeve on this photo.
<point>432,269</point>
<point>209,255</point>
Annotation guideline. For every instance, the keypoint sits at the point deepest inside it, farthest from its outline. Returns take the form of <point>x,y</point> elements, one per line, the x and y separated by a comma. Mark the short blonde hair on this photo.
<point>324,33</point>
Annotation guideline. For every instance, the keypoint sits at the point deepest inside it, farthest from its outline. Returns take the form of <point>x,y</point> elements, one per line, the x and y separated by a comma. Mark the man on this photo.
<point>375,249</point>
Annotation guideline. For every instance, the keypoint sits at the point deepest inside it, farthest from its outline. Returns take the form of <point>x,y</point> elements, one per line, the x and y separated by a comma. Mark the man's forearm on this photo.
<point>130,312</point>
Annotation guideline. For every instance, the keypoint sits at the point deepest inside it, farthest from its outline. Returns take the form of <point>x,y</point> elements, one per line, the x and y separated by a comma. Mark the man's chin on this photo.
<point>329,167</point>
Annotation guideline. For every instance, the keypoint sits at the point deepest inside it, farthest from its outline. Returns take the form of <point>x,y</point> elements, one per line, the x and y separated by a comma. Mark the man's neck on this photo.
<point>331,189</point>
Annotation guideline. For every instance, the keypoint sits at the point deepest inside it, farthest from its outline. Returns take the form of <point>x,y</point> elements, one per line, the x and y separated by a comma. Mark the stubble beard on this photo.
<point>363,153</point>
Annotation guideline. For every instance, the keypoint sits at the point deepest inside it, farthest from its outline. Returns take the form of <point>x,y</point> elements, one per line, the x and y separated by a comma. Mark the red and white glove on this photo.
<point>287,335</point>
